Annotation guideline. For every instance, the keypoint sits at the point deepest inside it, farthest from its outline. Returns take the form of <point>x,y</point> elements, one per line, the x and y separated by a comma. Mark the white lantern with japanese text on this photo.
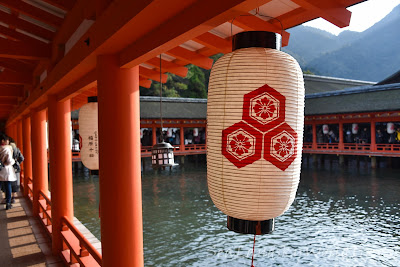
<point>195,131</point>
<point>255,120</point>
<point>325,129</point>
<point>354,128</point>
<point>88,130</point>
<point>390,128</point>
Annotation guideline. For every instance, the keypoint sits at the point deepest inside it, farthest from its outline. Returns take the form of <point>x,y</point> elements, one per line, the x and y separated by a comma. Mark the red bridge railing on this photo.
<point>76,248</point>
<point>392,150</point>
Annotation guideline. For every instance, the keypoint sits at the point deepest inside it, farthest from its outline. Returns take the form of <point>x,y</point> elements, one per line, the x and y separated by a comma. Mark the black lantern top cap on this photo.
<point>256,39</point>
<point>162,145</point>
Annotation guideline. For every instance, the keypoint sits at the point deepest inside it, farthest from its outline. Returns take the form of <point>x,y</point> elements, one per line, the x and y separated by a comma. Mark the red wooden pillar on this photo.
<point>26,132</point>
<point>60,167</point>
<point>182,137</point>
<point>39,157</point>
<point>20,145</point>
<point>373,134</point>
<point>341,144</point>
<point>154,135</point>
<point>314,135</point>
<point>120,182</point>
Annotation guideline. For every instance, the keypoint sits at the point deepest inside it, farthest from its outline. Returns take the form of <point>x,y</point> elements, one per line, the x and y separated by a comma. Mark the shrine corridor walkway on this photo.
<point>23,241</point>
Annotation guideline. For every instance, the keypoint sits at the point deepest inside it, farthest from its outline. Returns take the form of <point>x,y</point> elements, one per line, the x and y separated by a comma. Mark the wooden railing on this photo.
<point>30,189</point>
<point>76,248</point>
<point>195,147</point>
<point>353,149</point>
<point>45,212</point>
<point>388,147</point>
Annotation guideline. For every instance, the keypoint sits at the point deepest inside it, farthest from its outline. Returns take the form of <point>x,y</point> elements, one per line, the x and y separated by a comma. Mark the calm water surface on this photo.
<point>341,217</point>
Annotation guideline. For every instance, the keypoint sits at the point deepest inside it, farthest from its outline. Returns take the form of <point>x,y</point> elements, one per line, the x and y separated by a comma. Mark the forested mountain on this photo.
<point>371,55</point>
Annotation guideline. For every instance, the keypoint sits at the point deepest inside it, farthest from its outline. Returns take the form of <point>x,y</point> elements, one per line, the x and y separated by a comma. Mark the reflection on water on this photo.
<point>341,217</point>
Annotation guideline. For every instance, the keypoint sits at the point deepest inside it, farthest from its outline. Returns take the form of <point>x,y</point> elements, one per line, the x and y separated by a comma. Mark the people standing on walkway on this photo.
<point>7,174</point>
<point>18,158</point>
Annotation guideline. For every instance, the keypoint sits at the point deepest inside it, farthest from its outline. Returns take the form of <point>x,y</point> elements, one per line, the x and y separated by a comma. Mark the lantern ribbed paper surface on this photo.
<point>390,128</point>
<point>255,119</point>
<point>88,131</point>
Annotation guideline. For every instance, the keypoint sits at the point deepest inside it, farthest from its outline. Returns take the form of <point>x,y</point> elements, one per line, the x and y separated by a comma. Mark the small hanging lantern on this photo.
<point>169,132</point>
<point>255,120</point>
<point>390,128</point>
<point>325,129</point>
<point>354,128</point>
<point>162,154</point>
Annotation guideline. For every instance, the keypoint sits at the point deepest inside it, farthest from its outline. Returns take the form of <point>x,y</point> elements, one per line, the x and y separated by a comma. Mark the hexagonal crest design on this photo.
<point>280,146</point>
<point>264,108</point>
<point>241,144</point>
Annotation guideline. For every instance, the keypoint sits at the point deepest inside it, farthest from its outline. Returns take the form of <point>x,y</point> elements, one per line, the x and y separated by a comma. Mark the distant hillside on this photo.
<point>371,55</point>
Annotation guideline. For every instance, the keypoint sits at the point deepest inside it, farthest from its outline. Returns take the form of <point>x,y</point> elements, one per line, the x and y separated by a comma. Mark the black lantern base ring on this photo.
<point>250,227</point>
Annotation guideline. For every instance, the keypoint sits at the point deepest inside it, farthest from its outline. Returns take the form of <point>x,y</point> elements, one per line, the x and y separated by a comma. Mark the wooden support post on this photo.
<point>341,160</point>
<point>26,132</point>
<point>121,199</point>
<point>315,159</point>
<point>373,163</point>
<point>182,137</point>
<point>154,135</point>
<point>373,135</point>
<point>20,145</point>
<point>39,157</point>
<point>341,140</point>
<point>60,167</point>
<point>314,135</point>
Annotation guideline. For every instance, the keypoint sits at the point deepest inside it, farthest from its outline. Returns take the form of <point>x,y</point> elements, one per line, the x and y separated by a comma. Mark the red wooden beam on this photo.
<point>145,83</point>
<point>330,10</point>
<point>190,56</point>
<point>15,65</point>
<point>9,91</point>
<point>8,101</point>
<point>33,12</point>
<point>11,77</point>
<point>152,74</point>
<point>12,49</point>
<point>168,66</point>
<point>62,4</point>
<point>14,35</point>
<point>215,42</point>
<point>26,26</point>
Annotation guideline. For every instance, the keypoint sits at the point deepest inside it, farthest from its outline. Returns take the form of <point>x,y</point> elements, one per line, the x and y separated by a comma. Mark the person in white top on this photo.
<point>7,174</point>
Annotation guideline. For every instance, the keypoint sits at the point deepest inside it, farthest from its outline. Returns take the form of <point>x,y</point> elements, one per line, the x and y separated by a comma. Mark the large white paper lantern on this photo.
<point>89,133</point>
<point>390,128</point>
<point>255,120</point>
<point>354,128</point>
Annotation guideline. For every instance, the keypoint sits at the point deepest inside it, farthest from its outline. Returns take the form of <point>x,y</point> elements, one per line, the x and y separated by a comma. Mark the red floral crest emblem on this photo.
<point>263,118</point>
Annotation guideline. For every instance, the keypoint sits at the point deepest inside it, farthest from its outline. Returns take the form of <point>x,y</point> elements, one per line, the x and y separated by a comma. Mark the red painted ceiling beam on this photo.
<point>33,12</point>
<point>22,50</point>
<point>11,77</point>
<point>329,10</point>
<point>151,74</point>
<point>192,57</point>
<point>168,66</point>
<point>62,4</point>
<point>15,65</point>
<point>12,34</point>
<point>143,82</point>
<point>9,91</point>
<point>215,42</point>
<point>26,26</point>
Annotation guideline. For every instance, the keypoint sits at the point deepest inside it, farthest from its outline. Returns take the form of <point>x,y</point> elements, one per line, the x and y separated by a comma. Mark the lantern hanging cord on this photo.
<point>161,134</point>
<point>257,13</point>
<point>254,245</point>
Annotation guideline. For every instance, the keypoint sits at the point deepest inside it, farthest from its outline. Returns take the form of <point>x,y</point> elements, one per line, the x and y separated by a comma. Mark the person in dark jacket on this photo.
<point>18,158</point>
